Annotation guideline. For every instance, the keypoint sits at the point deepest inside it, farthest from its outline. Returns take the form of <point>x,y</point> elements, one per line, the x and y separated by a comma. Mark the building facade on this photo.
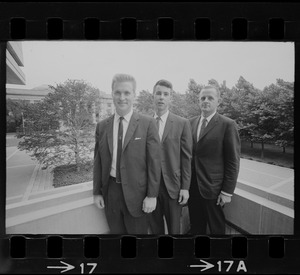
<point>106,106</point>
<point>28,95</point>
<point>14,62</point>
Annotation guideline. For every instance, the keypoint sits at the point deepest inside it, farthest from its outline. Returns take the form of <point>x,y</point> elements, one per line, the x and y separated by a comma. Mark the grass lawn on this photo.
<point>272,154</point>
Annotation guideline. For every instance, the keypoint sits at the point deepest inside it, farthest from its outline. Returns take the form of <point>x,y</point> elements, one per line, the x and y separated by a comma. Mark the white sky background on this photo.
<point>96,62</point>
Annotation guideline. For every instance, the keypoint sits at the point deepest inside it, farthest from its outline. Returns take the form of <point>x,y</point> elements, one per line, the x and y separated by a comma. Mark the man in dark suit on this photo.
<point>215,164</point>
<point>176,155</point>
<point>127,163</point>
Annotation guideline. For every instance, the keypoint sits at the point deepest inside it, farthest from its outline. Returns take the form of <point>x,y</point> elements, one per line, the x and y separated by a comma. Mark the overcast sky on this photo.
<point>96,62</point>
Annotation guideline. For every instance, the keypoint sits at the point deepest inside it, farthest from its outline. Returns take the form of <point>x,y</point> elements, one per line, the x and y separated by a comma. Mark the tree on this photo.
<point>14,114</point>
<point>144,103</point>
<point>240,104</point>
<point>179,105</point>
<point>213,82</point>
<point>281,96</point>
<point>61,129</point>
<point>192,98</point>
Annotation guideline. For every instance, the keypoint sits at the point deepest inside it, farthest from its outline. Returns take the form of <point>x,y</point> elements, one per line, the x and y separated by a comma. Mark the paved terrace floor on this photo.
<point>25,176</point>
<point>267,176</point>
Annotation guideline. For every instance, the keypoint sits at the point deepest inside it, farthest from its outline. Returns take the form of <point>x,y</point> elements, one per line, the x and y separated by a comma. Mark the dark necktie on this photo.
<point>157,125</point>
<point>157,122</point>
<point>119,150</point>
<point>203,125</point>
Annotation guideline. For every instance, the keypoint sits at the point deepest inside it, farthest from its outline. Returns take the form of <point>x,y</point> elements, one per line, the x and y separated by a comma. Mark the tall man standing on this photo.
<point>215,164</point>
<point>176,155</point>
<point>127,163</point>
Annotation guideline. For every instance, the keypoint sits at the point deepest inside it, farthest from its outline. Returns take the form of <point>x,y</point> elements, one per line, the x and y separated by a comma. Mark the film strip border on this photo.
<point>131,28</point>
<point>233,254</point>
<point>150,21</point>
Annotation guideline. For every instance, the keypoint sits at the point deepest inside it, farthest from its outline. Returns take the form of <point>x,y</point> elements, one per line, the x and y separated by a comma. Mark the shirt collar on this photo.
<point>209,117</point>
<point>163,117</point>
<point>126,117</point>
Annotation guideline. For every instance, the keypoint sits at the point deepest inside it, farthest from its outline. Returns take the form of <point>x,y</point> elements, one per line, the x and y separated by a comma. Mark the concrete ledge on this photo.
<point>47,201</point>
<point>64,210</point>
<point>14,199</point>
<point>70,210</point>
<point>84,219</point>
<point>258,214</point>
<point>60,190</point>
<point>272,195</point>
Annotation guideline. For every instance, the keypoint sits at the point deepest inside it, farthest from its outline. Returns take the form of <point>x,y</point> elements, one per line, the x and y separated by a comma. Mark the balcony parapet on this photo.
<point>64,210</point>
<point>70,210</point>
<point>258,210</point>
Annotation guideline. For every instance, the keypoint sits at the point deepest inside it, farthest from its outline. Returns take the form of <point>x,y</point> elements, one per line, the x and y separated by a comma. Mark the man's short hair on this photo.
<point>164,83</point>
<point>212,87</point>
<point>118,78</point>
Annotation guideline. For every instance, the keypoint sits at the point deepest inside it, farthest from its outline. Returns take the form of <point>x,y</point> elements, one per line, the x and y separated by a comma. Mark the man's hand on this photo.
<point>149,205</point>
<point>222,199</point>
<point>183,196</point>
<point>99,201</point>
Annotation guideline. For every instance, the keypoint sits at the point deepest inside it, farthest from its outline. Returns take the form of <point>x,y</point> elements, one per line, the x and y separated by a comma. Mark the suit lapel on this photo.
<point>133,123</point>
<point>110,137</point>
<point>168,126</point>
<point>213,122</point>
<point>195,127</point>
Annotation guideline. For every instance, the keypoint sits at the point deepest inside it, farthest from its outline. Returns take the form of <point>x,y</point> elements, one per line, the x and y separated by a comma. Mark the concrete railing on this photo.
<point>70,210</point>
<point>257,210</point>
<point>64,210</point>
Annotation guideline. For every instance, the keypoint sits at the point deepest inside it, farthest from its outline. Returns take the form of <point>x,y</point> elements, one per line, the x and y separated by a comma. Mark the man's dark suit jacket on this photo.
<point>176,153</point>
<point>216,156</point>
<point>140,161</point>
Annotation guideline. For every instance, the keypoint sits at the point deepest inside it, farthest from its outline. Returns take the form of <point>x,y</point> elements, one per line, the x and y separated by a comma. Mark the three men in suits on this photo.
<point>215,164</point>
<point>127,167</point>
<point>176,154</point>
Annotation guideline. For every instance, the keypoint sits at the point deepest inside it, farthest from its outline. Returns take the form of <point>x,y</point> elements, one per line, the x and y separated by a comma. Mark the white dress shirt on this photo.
<point>162,123</point>
<point>115,138</point>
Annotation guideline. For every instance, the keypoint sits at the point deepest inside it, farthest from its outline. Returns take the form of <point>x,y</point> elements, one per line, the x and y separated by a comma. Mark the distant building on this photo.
<point>106,106</point>
<point>14,60</point>
<point>103,107</point>
<point>28,95</point>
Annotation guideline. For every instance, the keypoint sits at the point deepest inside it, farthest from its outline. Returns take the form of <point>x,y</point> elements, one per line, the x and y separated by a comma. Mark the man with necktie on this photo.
<point>127,163</point>
<point>215,164</point>
<point>176,155</point>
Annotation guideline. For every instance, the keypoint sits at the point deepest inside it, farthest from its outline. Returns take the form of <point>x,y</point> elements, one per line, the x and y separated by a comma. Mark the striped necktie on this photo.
<point>203,125</point>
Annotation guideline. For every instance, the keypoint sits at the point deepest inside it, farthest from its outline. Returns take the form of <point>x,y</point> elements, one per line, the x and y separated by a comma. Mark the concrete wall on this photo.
<point>64,210</point>
<point>84,220</point>
<point>259,212</point>
<point>70,210</point>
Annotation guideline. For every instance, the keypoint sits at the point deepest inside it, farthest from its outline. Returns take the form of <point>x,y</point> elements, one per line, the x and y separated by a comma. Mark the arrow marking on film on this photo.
<point>66,267</point>
<point>206,265</point>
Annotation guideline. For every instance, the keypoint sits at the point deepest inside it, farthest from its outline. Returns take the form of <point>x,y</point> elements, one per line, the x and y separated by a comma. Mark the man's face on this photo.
<point>162,98</point>
<point>123,96</point>
<point>209,101</point>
